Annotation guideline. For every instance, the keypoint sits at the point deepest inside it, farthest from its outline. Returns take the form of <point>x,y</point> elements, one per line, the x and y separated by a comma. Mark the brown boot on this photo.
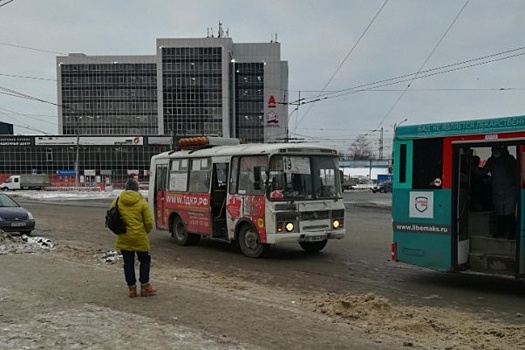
<point>132,291</point>
<point>146,290</point>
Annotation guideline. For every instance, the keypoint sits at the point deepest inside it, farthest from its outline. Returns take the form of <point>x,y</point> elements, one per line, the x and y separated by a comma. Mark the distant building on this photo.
<point>102,160</point>
<point>190,87</point>
<point>6,128</point>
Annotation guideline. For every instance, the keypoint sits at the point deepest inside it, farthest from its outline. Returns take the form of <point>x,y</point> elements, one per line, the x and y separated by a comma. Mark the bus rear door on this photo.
<point>521,215</point>
<point>159,190</point>
<point>421,205</point>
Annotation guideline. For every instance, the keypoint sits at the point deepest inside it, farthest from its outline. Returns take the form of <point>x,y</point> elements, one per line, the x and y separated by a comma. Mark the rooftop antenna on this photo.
<point>220,32</point>
<point>207,32</point>
<point>271,39</point>
<point>276,37</point>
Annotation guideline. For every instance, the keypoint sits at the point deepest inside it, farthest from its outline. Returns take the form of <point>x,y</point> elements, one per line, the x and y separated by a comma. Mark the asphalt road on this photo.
<point>359,263</point>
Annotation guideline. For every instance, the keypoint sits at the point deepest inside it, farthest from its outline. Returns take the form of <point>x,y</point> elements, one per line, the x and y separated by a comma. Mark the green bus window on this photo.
<point>402,163</point>
<point>427,163</point>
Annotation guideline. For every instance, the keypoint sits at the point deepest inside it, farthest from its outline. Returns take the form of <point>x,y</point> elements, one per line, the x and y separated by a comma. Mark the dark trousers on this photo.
<point>129,267</point>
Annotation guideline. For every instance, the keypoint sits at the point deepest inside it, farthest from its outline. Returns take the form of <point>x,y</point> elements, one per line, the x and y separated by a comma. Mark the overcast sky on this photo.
<point>339,49</point>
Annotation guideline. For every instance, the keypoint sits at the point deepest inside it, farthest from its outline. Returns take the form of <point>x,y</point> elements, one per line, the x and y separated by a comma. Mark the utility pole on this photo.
<point>381,144</point>
<point>297,112</point>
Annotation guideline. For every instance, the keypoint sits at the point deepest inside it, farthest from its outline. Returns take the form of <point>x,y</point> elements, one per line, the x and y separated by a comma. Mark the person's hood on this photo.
<point>129,198</point>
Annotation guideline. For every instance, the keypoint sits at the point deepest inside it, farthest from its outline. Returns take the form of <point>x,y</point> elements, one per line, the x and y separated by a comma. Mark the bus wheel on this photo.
<point>181,236</point>
<point>250,244</point>
<point>313,247</point>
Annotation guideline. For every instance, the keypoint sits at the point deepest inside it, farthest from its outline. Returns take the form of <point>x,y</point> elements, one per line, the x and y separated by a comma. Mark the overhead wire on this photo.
<point>5,3</point>
<point>26,126</point>
<point>423,64</point>
<point>423,74</point>
<point>26,115</point>
<point>26,77</point>
<point>346,57</point>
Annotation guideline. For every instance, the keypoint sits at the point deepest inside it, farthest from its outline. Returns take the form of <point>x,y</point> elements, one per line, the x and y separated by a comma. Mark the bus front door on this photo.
<point>462,207</point>
<point>218,200</point>
<point>161,186</point>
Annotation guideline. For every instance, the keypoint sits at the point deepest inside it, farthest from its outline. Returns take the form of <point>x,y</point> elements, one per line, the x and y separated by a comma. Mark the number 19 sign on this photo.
<point>296,165</point>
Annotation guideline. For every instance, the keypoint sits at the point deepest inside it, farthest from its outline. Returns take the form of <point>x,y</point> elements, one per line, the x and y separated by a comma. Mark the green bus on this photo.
<point>447,196</point>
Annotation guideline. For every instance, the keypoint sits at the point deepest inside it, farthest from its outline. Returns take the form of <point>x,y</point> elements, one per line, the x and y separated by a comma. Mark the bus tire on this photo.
<point>249,242</point>
<point>180,235</point>
<point>313,247</point>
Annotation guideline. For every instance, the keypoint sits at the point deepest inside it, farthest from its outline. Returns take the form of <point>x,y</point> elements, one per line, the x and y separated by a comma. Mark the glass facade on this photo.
<point>109,99</point>
<point>100,159</point>
<point>192,90</point>
<point>199,86</point>
<point>249,101</point>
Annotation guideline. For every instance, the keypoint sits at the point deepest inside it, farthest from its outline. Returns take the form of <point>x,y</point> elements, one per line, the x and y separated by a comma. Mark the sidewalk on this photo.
<point>52,303</point>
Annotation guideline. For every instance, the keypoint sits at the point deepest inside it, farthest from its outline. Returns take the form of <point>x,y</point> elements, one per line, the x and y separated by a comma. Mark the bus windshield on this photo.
<point>303,177</point>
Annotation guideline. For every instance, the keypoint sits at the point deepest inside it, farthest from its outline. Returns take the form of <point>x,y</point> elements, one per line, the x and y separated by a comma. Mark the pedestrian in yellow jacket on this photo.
<point>136,213</point>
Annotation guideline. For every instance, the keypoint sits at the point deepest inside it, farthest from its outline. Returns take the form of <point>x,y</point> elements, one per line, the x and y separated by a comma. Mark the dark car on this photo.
<point>383,187</point>
<point>13,217</point>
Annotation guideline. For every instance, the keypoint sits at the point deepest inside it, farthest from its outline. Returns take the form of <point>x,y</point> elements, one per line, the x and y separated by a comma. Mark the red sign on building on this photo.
<point>271,102</point>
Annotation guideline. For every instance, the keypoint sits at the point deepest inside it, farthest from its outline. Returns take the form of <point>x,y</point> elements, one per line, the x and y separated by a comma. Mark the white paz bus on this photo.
<point>254,194</point>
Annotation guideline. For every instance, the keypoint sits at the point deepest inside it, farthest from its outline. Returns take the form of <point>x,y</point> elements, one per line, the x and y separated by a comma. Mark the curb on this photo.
<point>368,205</point>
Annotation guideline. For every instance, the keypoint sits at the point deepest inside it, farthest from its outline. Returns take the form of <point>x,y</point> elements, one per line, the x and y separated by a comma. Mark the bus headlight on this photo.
<point>336,223</point>
<point>289,226</point>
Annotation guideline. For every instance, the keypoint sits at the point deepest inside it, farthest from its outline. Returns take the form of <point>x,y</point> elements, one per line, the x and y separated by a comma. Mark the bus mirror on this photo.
<point>259,178</point>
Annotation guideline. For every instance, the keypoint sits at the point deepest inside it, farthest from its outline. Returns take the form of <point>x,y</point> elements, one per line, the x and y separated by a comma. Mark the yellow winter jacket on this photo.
<point>136,214</point>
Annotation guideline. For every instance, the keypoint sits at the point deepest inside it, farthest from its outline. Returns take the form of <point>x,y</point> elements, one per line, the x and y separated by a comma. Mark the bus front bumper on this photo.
<point>296,237</point>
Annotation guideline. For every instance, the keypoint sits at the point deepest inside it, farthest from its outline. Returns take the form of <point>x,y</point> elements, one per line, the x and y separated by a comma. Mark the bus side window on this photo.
<point>220,178</point>
<point>234,174</point>
<point>245,181</point>
<point>427,163</point>
<point>247,168</point>
<point>200,176</point>
<point>403,163</point>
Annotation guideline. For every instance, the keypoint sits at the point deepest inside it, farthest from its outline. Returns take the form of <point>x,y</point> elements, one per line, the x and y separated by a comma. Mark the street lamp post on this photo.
<point>77,155</point>
<point>394,137</point>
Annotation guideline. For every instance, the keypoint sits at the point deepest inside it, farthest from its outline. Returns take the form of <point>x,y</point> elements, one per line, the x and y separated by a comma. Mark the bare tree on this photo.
<point>360,149</point>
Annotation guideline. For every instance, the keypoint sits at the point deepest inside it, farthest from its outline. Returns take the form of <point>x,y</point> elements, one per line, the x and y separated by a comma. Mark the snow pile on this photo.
<point>23,244</point>
<point>445,328</point>
<point>94,327</point>
<point>110,257</point>
<point>69,195</point>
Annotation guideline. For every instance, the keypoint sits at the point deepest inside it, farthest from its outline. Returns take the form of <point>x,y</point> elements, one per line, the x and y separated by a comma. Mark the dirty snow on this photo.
<point>90,326</point>
<point>69,195</point>
<point>10,244</point>
<point>446,328</point>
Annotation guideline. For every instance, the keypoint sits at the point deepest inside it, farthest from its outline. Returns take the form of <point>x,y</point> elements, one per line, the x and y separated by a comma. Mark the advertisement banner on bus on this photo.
<point>188,201</point>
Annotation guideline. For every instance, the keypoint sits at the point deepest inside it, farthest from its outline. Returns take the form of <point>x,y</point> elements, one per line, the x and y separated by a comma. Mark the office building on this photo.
<point>209,86</point>
<point>107,95</point>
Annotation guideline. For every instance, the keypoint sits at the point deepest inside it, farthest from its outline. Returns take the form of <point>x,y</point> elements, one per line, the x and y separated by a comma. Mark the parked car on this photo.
<point>13,217</point>
<point>383,187</point>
